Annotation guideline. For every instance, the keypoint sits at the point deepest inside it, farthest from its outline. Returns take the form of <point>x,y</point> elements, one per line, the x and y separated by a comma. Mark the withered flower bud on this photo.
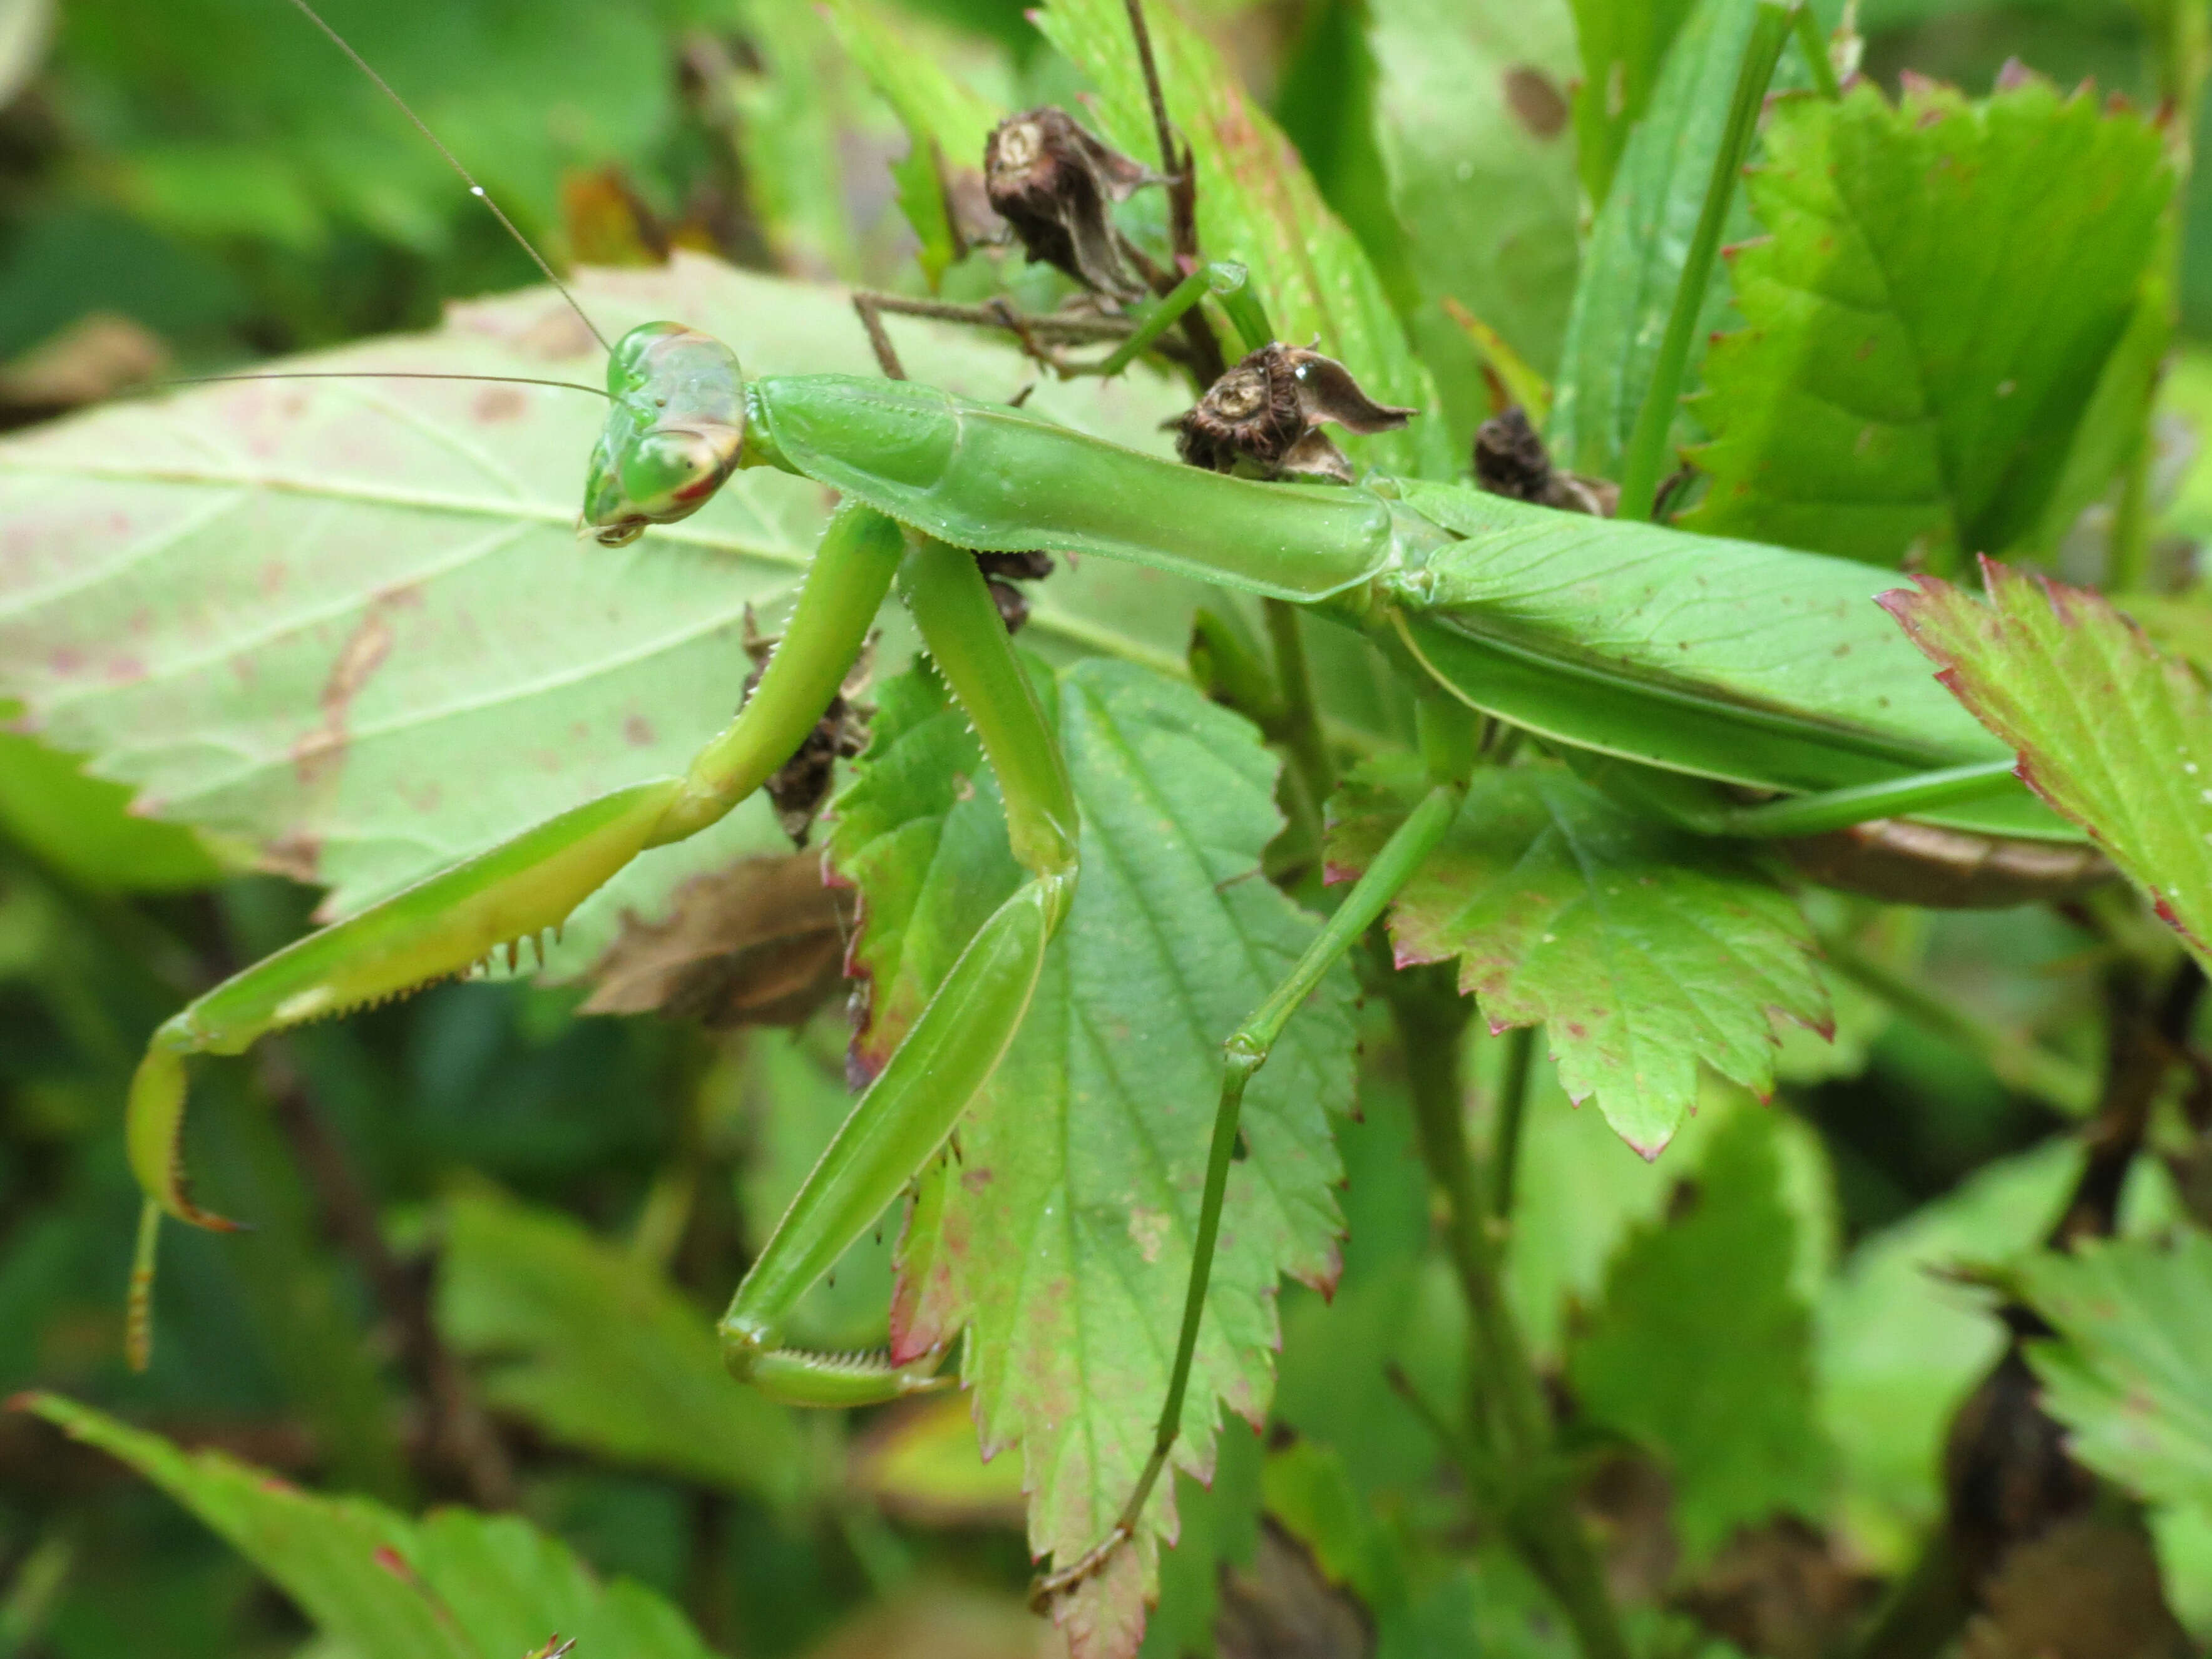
<point>1510,459</point>
<point>1264,417</point>
<point>1054,185</point>
<point>799,787</point>
<point>1001,571</point>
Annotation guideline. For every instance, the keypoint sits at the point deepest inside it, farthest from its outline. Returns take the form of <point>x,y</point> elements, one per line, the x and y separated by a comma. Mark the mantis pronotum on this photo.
<point>1774,675</point>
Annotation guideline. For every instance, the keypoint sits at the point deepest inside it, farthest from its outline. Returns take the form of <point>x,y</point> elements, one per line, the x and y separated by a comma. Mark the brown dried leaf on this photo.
<point>94,358</point>
<point>2087,1589</point>
<point>761,943</point>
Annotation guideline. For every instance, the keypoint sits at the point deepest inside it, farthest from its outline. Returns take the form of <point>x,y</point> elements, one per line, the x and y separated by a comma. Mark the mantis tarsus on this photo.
<point>1836,714</point>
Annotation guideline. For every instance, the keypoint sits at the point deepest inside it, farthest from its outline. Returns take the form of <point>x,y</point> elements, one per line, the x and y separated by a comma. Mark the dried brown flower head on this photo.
<point>1056,185</point>
<point>1510,459</point>
<point>1264,417</point>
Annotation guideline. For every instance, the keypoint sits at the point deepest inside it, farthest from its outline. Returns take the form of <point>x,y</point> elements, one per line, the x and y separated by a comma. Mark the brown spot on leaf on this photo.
<point>495,404</point>
<point>637,731</point>
<point>363,653</point>
<point>1537,104</point>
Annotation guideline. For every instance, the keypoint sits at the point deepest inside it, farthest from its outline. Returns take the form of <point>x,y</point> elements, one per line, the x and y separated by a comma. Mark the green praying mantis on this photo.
<point>1734,690</point>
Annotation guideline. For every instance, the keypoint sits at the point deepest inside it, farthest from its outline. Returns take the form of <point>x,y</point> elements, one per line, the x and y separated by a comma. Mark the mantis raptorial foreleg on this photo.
<point>517,890</point>
<point>953,1048</point>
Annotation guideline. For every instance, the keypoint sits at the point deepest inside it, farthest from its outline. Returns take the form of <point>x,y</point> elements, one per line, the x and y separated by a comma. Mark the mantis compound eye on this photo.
<point>666,475</point>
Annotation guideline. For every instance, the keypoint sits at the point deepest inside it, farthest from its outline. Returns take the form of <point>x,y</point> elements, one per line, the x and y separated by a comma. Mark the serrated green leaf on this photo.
<point>1060,1234</point>
<point>1257,205</point>
<point>1644,953</point>
<point>1940,287</point>
<point>455,1586</point>
<point>591,1346</point>
<point>2113,734</point>
<point>351,624</point>
<point>84,827</point>
<point>2131,1374</point>
<point>1633,262</point>
<point>1703,1350</point>
<point>1623,43</point>
<point>1470,118</point>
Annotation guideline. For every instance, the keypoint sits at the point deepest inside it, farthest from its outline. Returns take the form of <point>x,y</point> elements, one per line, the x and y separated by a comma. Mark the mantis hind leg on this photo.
<point>1245,1053</point>
<point>517,891</point>
<point>954,1047</point>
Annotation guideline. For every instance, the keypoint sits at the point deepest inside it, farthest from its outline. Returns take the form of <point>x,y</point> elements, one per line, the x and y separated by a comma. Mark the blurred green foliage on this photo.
<point>564,1201</point>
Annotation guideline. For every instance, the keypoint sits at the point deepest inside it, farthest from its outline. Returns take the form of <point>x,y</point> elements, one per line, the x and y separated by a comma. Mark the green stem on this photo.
<point>1246,1052</point>
<point>1512,1111</point>
<point>2127,568</point>
<point>1301,715</point>
<point>1815,48</point>
<point>2019,1064</point>
<point>1511,1416</point>
<point>1227,282</point>
<point>1839,809</point>
<point>1655,421</point>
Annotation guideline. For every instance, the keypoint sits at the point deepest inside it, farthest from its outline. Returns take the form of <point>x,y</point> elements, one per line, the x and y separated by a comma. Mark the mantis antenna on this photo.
<point>454,162</point>
<point>373,374</point>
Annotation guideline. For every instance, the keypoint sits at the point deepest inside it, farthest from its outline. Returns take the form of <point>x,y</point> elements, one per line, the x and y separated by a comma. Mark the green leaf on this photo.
<point>1623,44</point>
<point>1644,953</point>
<point>455,1586</point>
<point>1579,1193</point>
<point>592,1346</point>
<point>84,827</point>
<point>351,623</point>
<point>1942,283</point>
<point>1059,1235</point>
<point>1901,1345</point>
<point>2131,1374</point>
<point>2114,735</point>
<point>1471,125</point>
<point>1257,205</point>
<point>1633,264</point>
<point>947,122</point>
<point>186,101</point>
<point>805,121</point>
<point>1703,1349</point>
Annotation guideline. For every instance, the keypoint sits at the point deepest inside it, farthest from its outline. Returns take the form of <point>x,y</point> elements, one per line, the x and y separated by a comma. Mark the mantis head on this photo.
<point>673,435</point>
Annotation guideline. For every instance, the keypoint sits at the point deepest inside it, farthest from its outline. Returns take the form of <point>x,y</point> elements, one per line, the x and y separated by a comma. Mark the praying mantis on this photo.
<point>1678,673</point>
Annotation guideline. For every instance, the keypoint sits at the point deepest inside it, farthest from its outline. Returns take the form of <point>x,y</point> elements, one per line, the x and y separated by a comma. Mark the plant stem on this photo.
<point>1512,1422</point>
<point>1815,48</point>
<point>1512,1109</point>
<point>2025,1066</point>
<point>1655,420</point>
<point>1301,715</point>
